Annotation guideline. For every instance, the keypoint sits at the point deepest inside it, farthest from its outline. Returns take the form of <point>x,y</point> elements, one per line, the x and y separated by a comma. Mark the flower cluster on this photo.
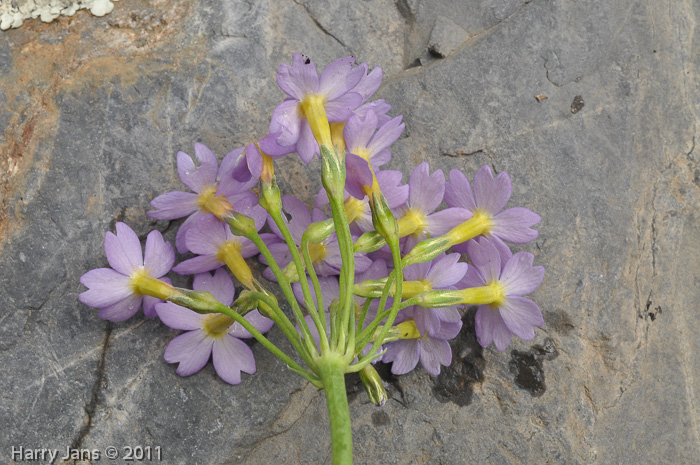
<point>376,270</point>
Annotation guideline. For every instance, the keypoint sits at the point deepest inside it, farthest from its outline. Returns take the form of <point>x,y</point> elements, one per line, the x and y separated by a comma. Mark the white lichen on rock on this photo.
<point>14,12</point>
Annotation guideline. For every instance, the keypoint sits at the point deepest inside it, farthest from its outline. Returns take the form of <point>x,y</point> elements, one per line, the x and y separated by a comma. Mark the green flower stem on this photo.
<point>363,315</point>
<point>347,275</point>
<point>296,258</point>
<point>331,369</point>
<point>398,270</point>
<point>367,333</point>
<point>283,322</point>
<point>317,290</point>
<point>306,352</point>
<point>301,272</point>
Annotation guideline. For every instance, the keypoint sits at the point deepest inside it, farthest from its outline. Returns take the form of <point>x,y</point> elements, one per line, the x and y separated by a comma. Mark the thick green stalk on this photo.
<point>331,369</point>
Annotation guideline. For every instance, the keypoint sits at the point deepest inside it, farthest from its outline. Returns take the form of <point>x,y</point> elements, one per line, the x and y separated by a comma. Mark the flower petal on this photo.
<point>443,221</point>
<point>340,109</point>
<point>123,250</point>
<point>336,78</point>
<point>258,321</point>
<point>358,131</point>
<point>301,218</point>
<point>404,354</point>
<point>172,205</point>
<point>427,321</point>
<point>426,190</point>
<point>513,225</point>
<point>486,258</point>
<point>519,276</point>
<point>122,310</point>
<point>369,83</point>
<point>105,287</point>
<point>177,317</point>
<point>491,194</point>
<point>458,192</point>
<point>231,356</point>
<point>286,121</point>
<point>386,135</point>
<point>520,315</point>
<point>307,146</point>
<point>159,255</point>
<point>191,349</point>
<point>358,175</point>
<point>219,285</point>
<point>229,182</point>
<point>198,264</point>
<point>490,328</point>
<point>205,238</point>
<point>299,79</point>
<point>446,271</point>
<point>189,223</point>
<point>433,353</point>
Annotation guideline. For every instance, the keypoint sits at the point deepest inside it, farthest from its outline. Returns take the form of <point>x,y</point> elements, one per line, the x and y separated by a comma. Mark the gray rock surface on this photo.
<point>93,111</point>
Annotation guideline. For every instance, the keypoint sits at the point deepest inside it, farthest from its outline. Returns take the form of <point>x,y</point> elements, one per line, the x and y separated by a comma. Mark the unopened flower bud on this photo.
<point>246,302</point>
<point>369,242</point>
<point>383,219</point>
<point>240,224</point>
<point>270,197</point>
<point>198,301</point>
<point>333,174</point>
<point>319,232</point>
<point>373,385</point>
<point>426,250</point>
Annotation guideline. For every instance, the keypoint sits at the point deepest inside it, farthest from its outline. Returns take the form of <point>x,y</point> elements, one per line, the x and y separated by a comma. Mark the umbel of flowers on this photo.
<point>374,271</point>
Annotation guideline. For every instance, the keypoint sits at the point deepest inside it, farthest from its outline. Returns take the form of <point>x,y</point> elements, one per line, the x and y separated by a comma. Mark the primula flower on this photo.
<point>216,335</point>
<point>486,204</point>
<point>308,93</point>
<point>118,291</point>
<point>214,190</point>
<point>425,194</point>
<point>442,273</point>
<point>432,349</point>
<point>367,149</point>
<point>510,313</point>
<point>214,243</point>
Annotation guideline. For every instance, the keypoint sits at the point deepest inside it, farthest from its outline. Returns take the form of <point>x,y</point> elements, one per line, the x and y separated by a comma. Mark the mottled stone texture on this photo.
<point>93,110</point>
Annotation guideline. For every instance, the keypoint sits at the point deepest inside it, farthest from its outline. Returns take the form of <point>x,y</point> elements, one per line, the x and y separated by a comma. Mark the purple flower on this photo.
<point>289,128</point>
<point>425,195</point>
<point>115,291</point>
<point>367,149</point>
<point>442,273</point>
<point>211,239</point>
<point>249,163</point>
<point>511,313</point>
<point>214,189</point>
<point>432,349</point>
<point>362,140</point>
<point>215,335</point>
<point>488,198</point>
